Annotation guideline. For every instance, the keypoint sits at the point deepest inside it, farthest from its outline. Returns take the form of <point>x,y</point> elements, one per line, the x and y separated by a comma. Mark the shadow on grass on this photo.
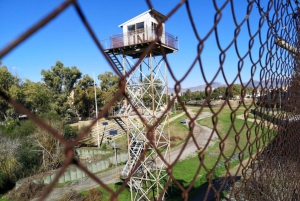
<point>218,190</point>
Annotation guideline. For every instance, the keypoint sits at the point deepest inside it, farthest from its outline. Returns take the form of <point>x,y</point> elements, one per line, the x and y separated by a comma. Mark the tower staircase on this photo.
<point>115,60</point>
<point>136,146</point>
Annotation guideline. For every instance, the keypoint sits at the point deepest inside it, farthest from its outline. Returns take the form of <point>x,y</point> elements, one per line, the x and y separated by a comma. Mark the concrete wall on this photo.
<point>76,173</point>
<point>87,153</point>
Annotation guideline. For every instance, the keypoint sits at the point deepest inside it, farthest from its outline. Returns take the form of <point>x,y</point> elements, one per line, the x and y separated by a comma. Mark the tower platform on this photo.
<point>135,44</point>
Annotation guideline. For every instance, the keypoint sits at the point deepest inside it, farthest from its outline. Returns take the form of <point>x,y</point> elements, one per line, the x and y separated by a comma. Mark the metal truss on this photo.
<point>147,88</point>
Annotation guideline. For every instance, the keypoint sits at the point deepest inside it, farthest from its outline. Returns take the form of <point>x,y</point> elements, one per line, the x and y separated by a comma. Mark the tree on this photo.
<point>9,84</point>
<point>249,90</point>
<point>84,96</point>
<point>49,145</point>
<point>220,91</point>
<point>202,95</point>
<point>61,80</point>
<point>236,90</point>
<point>37,97</point>
<point>188,94</point>
<point>109,86</point>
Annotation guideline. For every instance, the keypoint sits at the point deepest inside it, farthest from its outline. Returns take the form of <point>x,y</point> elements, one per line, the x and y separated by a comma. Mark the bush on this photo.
<point>6,183</point>
<point>93,195</point>
<point>27,191</point>
<point>14,128</point>
<point>9,125</point>
<point>29,158</point>
<point>9,166</point>
<point>70,132</point>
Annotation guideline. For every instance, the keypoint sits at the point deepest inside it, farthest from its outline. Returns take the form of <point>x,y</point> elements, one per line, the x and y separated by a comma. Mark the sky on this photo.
<point>65,38</point>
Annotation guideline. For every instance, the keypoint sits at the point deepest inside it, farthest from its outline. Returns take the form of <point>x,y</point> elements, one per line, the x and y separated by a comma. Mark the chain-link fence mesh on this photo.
<point>256,158</point>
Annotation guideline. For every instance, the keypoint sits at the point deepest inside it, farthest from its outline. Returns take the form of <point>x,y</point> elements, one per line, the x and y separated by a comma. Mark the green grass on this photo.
<point>246,136</point>
<point>178,129</point>
<point>123,196</point>
<point>173,114</point>
<point>237,132</point>
<point>2,198</point>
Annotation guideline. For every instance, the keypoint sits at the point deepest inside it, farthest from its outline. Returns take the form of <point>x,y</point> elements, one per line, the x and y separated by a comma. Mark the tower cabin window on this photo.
<point>136,33</point>
<point>131,28</point>
<point>140,26</point>
<point>136,27</point>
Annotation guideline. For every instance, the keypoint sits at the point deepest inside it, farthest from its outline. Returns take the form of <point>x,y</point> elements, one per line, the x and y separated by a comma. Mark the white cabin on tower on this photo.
<point>139,32</point>
<point>143,27</point>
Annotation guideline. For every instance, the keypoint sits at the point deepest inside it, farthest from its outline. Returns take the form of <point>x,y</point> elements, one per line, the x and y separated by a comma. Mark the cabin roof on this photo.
<point>161,16</point>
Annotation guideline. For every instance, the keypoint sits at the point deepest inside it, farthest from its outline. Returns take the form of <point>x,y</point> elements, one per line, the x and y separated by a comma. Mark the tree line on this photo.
<point>64,93</point>
<point>221,92</point>
<point>64,90</point>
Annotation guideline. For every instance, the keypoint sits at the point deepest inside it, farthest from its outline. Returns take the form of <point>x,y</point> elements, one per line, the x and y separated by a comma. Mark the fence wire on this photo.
<point>263,163</point>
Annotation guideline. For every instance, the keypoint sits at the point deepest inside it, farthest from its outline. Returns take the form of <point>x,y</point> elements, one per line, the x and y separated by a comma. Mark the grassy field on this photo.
<point>239,140</point>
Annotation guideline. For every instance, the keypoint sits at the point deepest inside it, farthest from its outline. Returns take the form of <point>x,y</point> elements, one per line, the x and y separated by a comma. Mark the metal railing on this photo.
<point>139,37</point>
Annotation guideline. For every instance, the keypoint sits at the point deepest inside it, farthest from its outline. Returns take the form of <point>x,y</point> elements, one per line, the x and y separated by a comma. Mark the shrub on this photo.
<point>70,132</point>
<point>29,158</point>
<point>9,166</point>
<point>93,195</point>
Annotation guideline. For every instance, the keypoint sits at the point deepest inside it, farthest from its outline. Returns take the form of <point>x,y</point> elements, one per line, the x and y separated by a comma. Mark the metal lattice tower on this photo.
<point>145,171</point>
<point>146,93</point>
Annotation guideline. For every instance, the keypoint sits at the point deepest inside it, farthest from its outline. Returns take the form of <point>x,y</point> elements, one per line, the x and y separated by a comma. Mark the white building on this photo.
<point>142,28</point>
<point>140,31</point>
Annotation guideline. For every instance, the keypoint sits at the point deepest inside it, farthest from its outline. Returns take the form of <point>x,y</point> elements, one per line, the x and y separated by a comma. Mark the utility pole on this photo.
<point>96,111</point>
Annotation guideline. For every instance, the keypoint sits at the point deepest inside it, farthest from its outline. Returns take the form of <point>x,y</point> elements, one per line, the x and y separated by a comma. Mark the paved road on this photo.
<point>202,134</point>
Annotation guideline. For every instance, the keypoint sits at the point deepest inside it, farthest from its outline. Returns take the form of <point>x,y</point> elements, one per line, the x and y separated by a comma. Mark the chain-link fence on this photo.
<point>254,154</point>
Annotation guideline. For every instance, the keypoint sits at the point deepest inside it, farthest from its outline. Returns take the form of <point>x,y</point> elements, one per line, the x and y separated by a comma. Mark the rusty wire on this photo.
<point>270,171</point>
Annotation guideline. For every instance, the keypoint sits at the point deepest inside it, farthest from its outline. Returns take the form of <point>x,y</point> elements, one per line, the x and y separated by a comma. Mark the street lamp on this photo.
<point>114,132</point>
<point>104,124</point>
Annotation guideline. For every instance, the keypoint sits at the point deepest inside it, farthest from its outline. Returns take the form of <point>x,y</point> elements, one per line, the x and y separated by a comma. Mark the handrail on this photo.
<point>138,37</point>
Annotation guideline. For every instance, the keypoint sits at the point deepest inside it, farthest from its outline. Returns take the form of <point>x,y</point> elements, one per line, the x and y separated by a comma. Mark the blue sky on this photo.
<point>66,39</point>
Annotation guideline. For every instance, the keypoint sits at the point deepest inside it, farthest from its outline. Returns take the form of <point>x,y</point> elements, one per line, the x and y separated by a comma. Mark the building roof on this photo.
<point>144,13</point>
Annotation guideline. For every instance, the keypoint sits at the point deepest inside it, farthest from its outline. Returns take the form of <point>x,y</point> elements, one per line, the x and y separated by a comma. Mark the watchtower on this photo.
<point>144,40</point>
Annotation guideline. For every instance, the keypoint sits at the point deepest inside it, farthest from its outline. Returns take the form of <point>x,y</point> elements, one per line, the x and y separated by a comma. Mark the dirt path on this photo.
<point>201,135</point>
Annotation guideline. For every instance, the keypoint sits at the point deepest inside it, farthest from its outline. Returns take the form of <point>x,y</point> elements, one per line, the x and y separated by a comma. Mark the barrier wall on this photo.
<point>86,153</point>
<point>94,167</point>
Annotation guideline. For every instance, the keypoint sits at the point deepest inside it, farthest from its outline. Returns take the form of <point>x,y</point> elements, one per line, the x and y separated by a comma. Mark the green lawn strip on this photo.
<point>185,176</point>
<point>177,123</point>
<point>184,172</point>
<point>178,129</point>
<point>2,198</point>
<point>173,114</point>
<point>123,196</point>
